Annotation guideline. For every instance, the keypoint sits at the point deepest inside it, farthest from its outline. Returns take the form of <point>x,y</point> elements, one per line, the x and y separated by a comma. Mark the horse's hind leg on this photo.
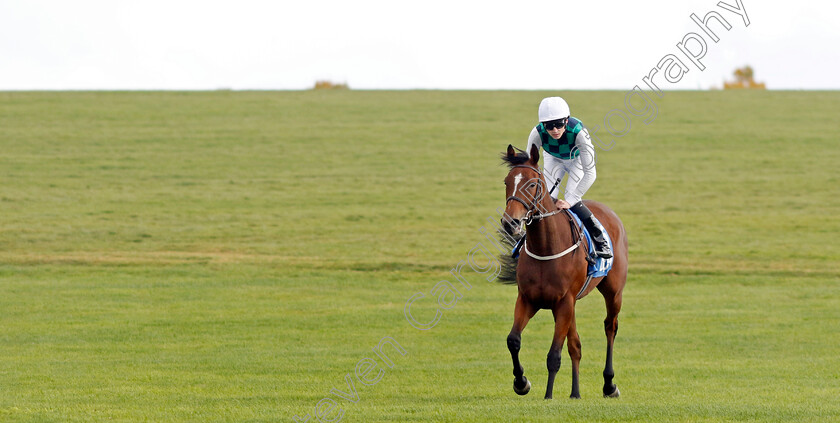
<point>613,301</point>
<point>523,312</point>
<point>575,354</point>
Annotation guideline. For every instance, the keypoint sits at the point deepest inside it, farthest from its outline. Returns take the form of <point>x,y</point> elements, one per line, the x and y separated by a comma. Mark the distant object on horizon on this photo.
<point>329,85</point>
<point>744,80</point>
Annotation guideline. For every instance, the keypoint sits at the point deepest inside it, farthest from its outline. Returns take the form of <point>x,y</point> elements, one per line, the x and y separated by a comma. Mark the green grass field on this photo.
<point>232,256</point>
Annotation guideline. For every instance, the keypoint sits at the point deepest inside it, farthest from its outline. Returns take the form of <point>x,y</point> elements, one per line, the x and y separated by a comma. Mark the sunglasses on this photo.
<point>558,123</point>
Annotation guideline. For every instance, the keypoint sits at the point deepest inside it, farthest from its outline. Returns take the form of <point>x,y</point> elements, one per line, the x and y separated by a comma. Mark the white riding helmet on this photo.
<point>552,108</point>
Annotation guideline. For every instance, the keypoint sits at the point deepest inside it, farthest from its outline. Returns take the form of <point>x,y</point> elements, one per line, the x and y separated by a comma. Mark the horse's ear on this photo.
<point>511,153</point>
<point>535,155</point>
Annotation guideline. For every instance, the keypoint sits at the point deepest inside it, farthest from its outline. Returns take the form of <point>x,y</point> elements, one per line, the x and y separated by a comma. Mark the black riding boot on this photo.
<point>602,247</point>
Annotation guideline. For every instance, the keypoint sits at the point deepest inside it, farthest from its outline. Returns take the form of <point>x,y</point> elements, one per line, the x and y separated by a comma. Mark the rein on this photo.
<point>530,218</point>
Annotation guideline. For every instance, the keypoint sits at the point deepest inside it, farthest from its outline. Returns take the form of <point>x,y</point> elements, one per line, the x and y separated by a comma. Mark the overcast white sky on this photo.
<point>373,44</point>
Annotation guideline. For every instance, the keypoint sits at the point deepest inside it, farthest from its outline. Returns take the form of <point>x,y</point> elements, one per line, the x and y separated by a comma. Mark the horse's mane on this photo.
<point>521,157</point>
<point>507,273</point>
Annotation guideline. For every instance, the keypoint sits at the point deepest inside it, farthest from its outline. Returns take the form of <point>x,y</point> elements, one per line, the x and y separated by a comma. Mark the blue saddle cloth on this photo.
<point>601,266</point>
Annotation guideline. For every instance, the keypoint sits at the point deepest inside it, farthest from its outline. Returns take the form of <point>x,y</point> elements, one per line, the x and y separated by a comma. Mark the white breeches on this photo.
<point>581,173</point>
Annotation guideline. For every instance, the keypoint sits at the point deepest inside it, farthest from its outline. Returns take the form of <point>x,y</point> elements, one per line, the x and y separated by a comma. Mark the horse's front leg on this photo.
<point>564,312</point>
<point>522,313</point>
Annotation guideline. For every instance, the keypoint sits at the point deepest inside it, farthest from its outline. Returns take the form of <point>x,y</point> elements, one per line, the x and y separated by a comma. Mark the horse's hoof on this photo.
<point>574,396</point>
<point>614,394</point>
<point>525,389</point>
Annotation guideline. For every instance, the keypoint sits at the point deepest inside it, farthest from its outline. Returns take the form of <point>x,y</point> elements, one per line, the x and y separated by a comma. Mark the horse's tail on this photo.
<point>507,274</point>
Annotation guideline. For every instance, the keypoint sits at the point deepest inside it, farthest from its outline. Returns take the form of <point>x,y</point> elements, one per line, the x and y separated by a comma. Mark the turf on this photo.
<point>232,256</point>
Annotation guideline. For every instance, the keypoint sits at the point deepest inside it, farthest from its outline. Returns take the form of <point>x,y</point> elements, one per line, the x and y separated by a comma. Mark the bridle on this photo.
<point>531,209</point>
<point>531,216</point>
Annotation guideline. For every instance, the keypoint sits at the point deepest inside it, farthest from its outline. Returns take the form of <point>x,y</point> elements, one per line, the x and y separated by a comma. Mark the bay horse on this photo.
<point>552,275</point>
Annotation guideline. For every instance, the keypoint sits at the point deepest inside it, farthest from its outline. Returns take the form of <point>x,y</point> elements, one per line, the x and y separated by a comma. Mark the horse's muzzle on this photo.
<point>512,226</point>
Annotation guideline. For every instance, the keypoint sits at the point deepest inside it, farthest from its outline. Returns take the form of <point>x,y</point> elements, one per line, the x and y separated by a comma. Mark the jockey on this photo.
<point>570,151</point>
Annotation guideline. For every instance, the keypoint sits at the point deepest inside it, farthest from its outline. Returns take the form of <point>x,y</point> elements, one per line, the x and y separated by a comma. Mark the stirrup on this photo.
<point>602,249</point>
<point>606,253</point>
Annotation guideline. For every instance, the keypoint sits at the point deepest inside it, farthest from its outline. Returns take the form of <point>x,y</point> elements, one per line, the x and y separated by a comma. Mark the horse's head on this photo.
<point>524,188</point>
